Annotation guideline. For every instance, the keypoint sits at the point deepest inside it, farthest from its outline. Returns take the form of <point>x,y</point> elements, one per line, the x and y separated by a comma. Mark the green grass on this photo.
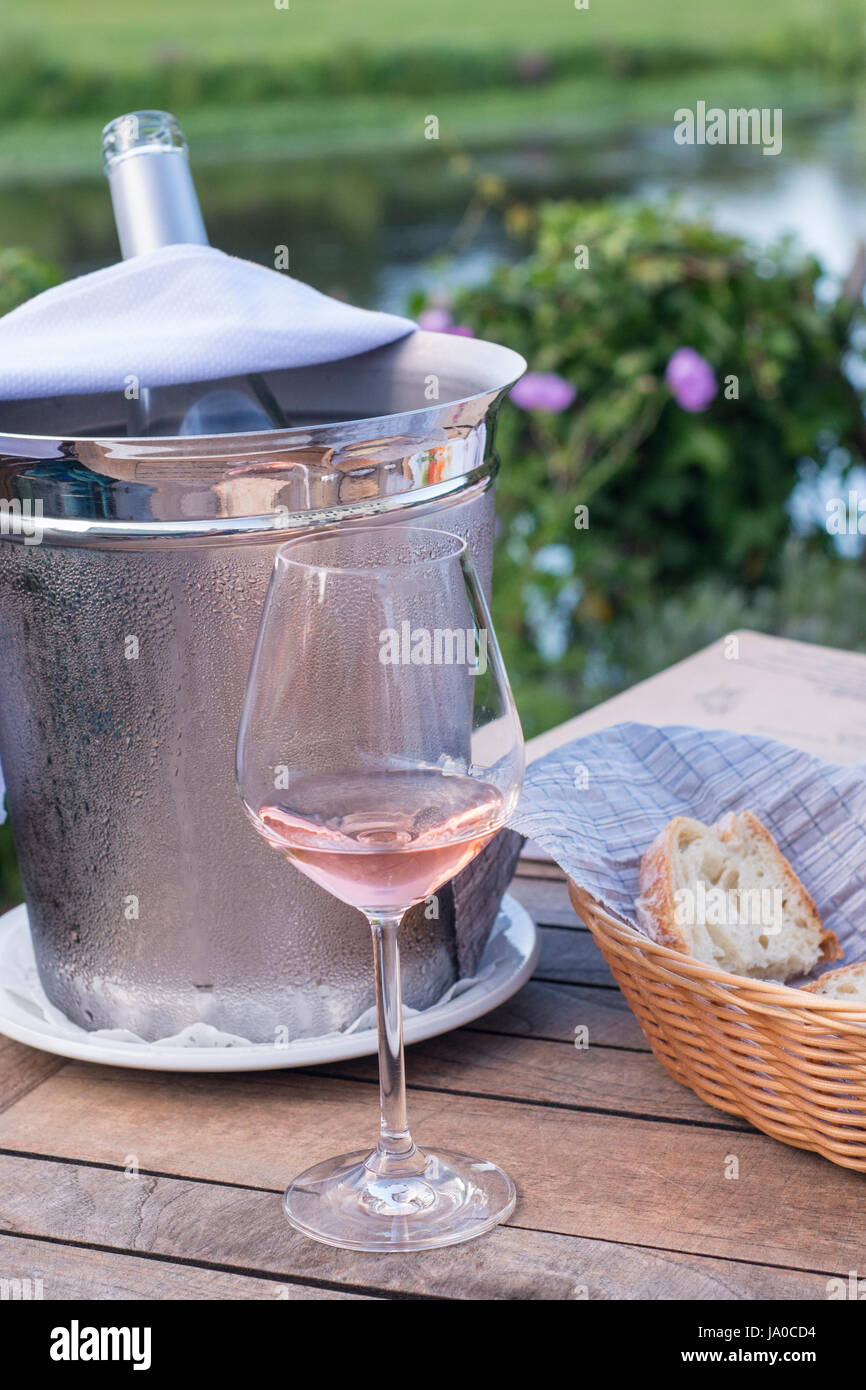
<point>126,36</point>
<point>330,75</point>
<point>578,109</point>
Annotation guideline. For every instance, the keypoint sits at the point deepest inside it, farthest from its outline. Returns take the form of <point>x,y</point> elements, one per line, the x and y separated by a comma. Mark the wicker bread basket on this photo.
<point>792,1063</point>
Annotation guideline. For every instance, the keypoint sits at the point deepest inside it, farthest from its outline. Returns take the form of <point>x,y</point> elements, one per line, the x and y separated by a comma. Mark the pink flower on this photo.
<point>691,379</point>
<point>543,391</point>
<point>435,320</point>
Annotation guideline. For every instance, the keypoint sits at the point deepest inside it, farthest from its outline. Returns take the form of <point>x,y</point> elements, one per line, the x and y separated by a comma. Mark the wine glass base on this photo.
<point>344,1202</point>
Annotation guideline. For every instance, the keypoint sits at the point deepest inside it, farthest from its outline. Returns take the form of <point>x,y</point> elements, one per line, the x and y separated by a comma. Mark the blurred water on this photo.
<point>373,228</point>
<point>815,189</point>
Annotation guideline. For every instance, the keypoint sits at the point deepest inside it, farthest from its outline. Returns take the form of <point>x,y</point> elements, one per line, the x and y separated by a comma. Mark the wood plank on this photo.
<point>242,1229</point>
<point>643,1182</point>
<point>534,863</point>
<point>552,1011</point>
<point>68,1272</point>
<point>546,900</point>
<point>568,952</point>
<point>22,1068</point>
<point>570,956</point>
<point>552,1073</point>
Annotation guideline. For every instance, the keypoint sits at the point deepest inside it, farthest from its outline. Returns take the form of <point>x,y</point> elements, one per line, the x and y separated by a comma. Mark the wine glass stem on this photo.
<point>395,1152</point>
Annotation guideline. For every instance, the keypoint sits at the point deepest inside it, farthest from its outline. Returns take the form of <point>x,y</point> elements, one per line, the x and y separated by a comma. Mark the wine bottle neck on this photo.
<point>152,190</point>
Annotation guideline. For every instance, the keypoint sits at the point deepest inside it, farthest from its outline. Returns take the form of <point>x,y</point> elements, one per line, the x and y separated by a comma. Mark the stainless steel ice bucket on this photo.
<point>125,639</point>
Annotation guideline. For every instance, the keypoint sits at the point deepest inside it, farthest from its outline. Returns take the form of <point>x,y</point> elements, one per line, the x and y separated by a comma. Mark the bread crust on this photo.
<point>655,907</point>
<point>830,976</point>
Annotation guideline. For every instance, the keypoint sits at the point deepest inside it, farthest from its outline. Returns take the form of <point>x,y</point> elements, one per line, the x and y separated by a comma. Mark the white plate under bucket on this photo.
<point>509,959</point>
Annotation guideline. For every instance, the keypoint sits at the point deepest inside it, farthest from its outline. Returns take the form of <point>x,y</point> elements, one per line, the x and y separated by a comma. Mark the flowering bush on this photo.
<point>681,384</point>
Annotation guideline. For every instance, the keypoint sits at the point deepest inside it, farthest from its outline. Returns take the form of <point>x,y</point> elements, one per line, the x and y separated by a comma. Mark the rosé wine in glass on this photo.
<point>383,841</point>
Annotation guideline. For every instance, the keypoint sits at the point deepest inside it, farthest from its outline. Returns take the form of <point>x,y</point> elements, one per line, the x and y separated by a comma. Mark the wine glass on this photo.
<point>379,750</point>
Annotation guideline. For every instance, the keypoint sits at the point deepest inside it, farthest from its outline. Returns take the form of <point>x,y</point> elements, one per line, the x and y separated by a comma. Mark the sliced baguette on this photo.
<point>694,882</point>
<point>849,982</point>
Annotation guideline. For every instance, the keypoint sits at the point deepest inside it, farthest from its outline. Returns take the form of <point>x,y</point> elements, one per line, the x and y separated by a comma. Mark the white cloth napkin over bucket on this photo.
<point>180,314</point>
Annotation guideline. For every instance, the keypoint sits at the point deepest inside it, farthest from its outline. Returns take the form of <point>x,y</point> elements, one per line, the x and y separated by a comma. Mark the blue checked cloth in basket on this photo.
<point>597,803</point>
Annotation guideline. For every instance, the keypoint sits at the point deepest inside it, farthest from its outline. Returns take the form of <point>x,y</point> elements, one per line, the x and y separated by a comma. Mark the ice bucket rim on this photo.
<point>504,364</point>
<point>266,528</point>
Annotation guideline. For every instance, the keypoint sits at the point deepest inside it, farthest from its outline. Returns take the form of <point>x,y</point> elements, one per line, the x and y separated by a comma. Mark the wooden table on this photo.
<point>124,1184</point>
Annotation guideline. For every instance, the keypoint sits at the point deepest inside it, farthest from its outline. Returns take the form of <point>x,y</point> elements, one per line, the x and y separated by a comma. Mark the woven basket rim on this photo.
<point>788,996</point>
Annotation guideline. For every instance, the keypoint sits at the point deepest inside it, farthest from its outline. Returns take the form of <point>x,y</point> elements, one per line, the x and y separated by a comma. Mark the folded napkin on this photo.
<point>597,803</point>
<point>179,314</point>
